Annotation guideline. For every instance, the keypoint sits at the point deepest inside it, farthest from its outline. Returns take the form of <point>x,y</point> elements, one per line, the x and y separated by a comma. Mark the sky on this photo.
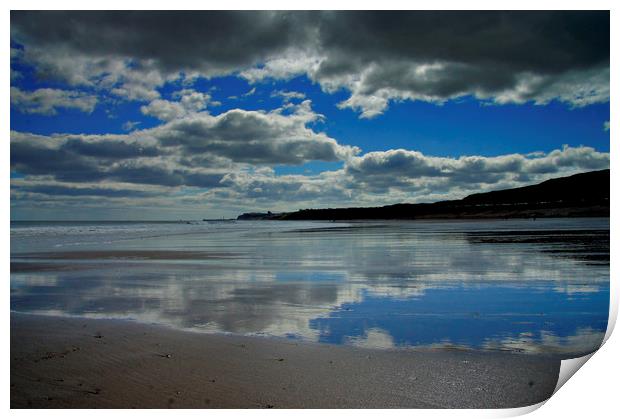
<point>191,115</point>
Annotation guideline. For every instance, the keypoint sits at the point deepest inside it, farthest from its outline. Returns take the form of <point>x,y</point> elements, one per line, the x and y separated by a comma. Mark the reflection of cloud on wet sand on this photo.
<point>373,338</point>
<point>34,280</point>
<point>202,303</point>
<point>210,303</point>
<point>285,281</point>
<point>584,340</point>
<point>570,289</point>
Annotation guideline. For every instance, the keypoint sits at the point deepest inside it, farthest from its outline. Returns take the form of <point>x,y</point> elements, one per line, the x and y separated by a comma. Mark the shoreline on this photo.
<point>493,217</point>
<point>344,220</point>
<point>433,348</point>
<point>76,362</point>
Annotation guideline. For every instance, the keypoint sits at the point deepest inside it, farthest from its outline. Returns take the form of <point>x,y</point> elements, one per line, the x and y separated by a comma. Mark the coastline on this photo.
<point>581,195</point>
<point>71,362</point>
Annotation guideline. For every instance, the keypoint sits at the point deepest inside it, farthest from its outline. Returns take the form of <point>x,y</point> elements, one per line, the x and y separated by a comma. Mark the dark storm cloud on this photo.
<point>71,166</point>
<point>108,149</point>
<point>377,56</point>
<point>93,159</point>
<point>548,42</point>
<point>36,159</point>
<point>176,40</point>
<point>435,56</point>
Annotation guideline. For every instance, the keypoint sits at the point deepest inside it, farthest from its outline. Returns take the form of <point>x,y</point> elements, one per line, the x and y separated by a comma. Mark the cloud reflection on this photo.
<point>387,286</point>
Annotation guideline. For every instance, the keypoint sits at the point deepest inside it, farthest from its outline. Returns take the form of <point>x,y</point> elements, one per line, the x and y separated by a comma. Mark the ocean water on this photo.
<point>516,285</point>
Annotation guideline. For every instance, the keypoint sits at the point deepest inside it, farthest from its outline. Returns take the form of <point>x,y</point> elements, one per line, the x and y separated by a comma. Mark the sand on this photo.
<point>66,362</point>
<point>127,255</point>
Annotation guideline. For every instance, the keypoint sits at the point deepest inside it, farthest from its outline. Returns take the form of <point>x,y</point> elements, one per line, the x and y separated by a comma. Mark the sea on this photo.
<point>529,286</point>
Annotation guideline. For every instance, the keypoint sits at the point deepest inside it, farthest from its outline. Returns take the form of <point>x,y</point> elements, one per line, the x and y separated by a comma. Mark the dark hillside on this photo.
<point>580,195</point>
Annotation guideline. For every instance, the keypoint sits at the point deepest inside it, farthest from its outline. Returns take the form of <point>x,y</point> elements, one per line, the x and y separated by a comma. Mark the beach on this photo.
<point>67,362</point>
<point>285,314</point>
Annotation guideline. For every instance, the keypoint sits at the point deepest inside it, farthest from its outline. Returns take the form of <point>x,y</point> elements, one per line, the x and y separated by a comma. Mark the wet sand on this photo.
<point>84,363</point>
<point>127,255</point>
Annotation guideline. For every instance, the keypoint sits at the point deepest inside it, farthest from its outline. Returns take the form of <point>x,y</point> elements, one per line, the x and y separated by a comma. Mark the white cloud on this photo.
<point>405,170</point>
<point>288,96</point>
<point>130,125</point>
<point>190,101</point>
<point>46,101</point>
<point>194,151</point>
<point>284,67</point>
<point>254,137</point>
<point>229,157</point>
<point>374,338</point>
<point>250,92</point>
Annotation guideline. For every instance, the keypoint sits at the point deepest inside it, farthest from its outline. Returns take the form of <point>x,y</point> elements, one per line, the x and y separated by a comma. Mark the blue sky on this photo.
<point>285,122</point>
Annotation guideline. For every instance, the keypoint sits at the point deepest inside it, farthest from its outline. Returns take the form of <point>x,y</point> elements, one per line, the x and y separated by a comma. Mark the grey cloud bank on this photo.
<point>226,160</point>
<point>503,57</point>
<point>195,151</point>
